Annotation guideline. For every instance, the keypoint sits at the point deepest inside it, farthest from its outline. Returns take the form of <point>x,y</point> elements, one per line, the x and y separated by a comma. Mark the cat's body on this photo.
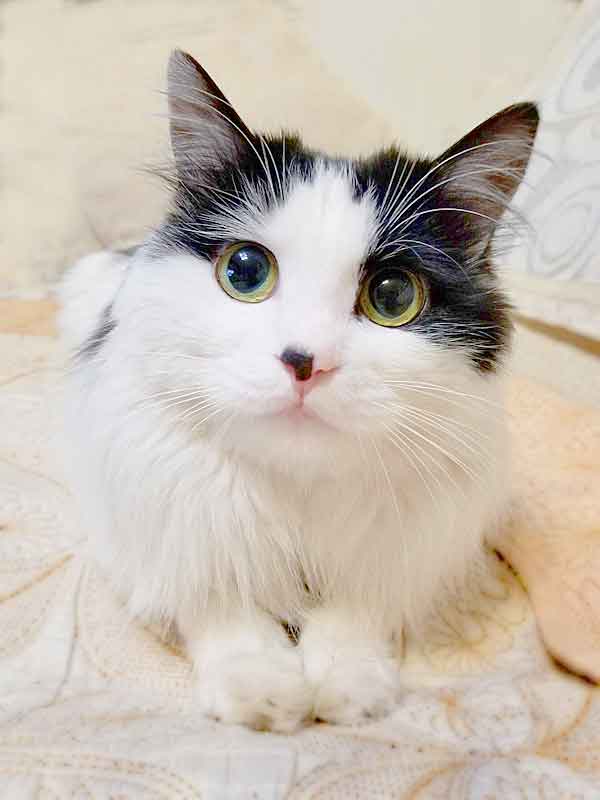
<point>244,464</point>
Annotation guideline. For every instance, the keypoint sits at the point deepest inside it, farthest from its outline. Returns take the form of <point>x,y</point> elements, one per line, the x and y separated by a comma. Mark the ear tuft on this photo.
<point>483,170</point>
<point>205,129</point>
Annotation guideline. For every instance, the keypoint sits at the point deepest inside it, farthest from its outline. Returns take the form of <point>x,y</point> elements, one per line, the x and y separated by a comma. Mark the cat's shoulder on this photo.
<point>86,291</point>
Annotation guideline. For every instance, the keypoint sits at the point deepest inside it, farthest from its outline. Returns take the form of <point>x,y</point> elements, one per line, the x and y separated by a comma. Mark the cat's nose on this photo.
<point>299,362</point>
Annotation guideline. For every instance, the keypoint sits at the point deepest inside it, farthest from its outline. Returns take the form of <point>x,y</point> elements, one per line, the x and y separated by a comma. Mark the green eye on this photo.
<point>247,272</point>
<point>393,297</point>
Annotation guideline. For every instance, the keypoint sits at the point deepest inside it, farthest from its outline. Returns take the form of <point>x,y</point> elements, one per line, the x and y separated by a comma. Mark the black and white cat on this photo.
<point>286,405</point>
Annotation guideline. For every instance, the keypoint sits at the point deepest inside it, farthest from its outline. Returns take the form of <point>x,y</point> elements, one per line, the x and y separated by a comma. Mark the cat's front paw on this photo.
<point>264,691</point>
<point>352,687</point>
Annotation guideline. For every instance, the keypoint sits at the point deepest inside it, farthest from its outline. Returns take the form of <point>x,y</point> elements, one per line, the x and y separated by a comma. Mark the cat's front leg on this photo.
<point>248,671</point>
<point>351,665</point>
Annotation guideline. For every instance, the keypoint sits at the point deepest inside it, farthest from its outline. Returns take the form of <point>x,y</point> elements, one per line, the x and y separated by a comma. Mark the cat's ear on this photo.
<point>482,171</point>
<point>205,129</point>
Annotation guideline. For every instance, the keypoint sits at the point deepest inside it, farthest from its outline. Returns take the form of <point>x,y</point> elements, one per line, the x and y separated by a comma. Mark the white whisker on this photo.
<point>412,413</point>
<point>438,165</point>
<point>206,418</point>
<point>436,445</point>
<point>444,390</point>
<point>430,247</point>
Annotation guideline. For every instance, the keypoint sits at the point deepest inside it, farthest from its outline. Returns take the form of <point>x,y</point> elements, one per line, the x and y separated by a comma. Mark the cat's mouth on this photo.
<point>299,414</point>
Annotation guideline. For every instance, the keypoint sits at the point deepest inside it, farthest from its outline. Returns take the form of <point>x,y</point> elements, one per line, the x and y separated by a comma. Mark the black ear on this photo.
<point>482,171</point>
<point>205,129</point>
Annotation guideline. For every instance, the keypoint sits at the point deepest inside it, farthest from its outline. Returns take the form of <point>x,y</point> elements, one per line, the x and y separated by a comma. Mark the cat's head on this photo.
<point>295,300</point>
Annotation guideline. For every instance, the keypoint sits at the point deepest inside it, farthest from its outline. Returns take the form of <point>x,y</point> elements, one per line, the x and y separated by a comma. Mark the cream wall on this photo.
<point>434,68</point>
<point>80,102</point>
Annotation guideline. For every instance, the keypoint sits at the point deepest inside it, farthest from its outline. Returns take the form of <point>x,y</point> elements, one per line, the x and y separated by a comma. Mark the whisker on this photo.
<point>172,354</point>
<point>399,198</point>
<point>454,156</point>
<point>265,146</point>
<point>283,168</point>
<point>195,90</point>
<point>484,169</point>
<point>242,133</point>
<point>148,405</point>
<point>195,408</point>
<point>392,493</point>
<point>469,430</point>
<point>430,247</point>
<point>390,183</point>
<point>443,390</point>
<point>174,394</point>
<point>450,456</point>
<point>470,444</point>
<point>402,442</point>
<point>447,401</point>
<point>206,418</point>
<point>428,211</point>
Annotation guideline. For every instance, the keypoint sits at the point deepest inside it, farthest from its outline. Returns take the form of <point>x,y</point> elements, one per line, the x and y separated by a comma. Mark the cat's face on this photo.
<point>294,302</point>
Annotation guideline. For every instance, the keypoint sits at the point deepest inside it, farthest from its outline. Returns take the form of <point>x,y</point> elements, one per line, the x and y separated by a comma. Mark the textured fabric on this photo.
<point>93,706</point>
<point>554,275</point>
<point>562,199</point>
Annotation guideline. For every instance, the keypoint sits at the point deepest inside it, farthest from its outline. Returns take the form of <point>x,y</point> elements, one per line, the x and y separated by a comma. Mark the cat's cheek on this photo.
<point>254,388</point>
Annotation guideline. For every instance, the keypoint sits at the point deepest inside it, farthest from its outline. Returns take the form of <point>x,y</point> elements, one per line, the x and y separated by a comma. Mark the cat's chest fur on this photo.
<point>302,539</point>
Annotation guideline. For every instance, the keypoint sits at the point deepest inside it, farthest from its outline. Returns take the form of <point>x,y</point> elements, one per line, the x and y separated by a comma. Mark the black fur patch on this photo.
<point>105,326</point>
<point>129,251</point>
<point>207,193</point>
<point>466,307</point>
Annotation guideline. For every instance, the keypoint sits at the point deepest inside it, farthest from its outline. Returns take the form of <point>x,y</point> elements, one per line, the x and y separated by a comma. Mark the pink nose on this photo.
<point>301,366</point>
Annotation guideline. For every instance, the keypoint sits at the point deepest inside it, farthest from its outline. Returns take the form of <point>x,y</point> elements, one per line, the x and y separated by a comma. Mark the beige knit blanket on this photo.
<point>92,706</point>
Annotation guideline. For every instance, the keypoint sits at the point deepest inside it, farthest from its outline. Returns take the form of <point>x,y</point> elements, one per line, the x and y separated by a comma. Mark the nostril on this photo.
<point>300,362</point>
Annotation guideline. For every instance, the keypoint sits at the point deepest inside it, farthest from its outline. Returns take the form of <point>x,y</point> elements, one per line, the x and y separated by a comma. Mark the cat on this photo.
<point>285,407</point>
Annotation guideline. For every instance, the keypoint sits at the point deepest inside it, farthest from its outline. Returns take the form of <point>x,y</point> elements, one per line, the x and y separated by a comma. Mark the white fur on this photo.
<point>86,291</point>
<point>215,518</point>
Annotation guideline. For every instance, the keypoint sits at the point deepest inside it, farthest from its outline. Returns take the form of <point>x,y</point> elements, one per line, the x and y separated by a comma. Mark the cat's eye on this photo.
<point>247,272</point>
<point>393,297</point>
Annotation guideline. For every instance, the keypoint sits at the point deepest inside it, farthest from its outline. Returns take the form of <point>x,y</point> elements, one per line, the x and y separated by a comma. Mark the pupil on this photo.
<point>248,268</point>
<point>392,294</point>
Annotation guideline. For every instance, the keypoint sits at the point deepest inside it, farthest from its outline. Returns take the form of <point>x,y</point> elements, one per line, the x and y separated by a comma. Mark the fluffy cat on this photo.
<point>286,405</point>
